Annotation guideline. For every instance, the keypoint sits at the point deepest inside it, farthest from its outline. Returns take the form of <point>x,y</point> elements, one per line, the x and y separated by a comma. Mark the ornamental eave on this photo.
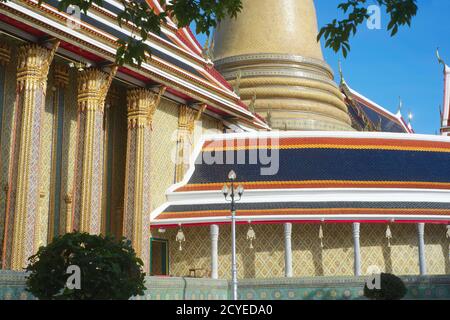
<point>287,196</point>
<point>158,70</point>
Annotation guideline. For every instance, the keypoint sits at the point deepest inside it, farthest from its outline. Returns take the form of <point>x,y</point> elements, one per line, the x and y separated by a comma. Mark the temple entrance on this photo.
<point>159,257</point>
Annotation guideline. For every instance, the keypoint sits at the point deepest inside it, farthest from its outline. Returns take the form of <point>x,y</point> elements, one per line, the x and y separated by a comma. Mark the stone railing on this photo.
<point>12,286</point>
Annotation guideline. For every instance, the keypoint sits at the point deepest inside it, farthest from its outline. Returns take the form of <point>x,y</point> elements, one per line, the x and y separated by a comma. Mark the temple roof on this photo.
<point>299,176</point>
<point>176,62</point>
<point>367,115</point>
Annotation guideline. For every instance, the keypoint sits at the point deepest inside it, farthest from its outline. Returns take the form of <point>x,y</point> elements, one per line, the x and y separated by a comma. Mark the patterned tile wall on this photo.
<point>118,161</point>
<point>48,119</point>
<point>165,124</point>
<point>69,143</point>
<point>7,124</point>
<point>266,260</point>
<point>12,287</point>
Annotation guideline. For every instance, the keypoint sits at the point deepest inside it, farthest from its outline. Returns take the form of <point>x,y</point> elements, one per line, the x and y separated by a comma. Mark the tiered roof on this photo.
<point>367,115</point>
<point>176,62</point>
<point>296,176</point>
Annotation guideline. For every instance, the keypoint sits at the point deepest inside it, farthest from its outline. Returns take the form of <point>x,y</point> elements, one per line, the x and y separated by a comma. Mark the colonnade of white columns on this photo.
<point>288,270</point>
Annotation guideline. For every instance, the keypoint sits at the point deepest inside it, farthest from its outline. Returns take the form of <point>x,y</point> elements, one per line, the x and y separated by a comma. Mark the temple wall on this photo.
<point>13,287</point>
<point>165,125</point>
<point>266,260</point>
<point>164,144</point>
<point>9,96</point>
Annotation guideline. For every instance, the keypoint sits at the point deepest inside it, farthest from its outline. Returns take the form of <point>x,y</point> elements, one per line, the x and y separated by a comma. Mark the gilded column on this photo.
<point>23,193</point>
<point>136,217</point>
<point>186,125</point>
<point>93,86</point>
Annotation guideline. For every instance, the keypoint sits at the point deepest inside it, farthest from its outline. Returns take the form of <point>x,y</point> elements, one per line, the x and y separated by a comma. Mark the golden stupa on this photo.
<point>270,54</point>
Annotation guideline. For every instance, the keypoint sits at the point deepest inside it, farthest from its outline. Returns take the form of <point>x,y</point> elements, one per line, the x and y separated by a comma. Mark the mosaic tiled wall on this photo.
<point>12,287</point>
<point>6,129</point>
<point>164,144</point>
<point>118,159</point>
<point>266,260</point>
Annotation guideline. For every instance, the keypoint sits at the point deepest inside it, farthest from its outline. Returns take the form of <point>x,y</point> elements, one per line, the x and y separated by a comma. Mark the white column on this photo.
<point>357,248</point>
<point>422,262</point>
<point>288,250</point>
<point>214,231</point>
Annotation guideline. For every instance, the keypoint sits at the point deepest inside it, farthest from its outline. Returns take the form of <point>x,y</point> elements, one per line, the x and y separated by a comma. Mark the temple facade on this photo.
<point>335,185</point>
<point>90,146</point>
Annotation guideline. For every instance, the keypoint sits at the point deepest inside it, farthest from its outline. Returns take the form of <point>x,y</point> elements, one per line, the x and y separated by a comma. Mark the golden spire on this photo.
<point>281,26</point>
<point>271,51</point>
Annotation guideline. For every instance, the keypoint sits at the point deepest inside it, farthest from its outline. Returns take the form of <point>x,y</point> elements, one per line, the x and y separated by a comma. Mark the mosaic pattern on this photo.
<point>336,258</point>
<point>119,137</point>
<point>164,146</point>
<point>12,287</point>
<point>69,145</point>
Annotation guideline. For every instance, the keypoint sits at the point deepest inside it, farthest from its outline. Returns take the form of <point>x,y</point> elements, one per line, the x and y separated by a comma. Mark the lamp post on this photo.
<point>233,195</point>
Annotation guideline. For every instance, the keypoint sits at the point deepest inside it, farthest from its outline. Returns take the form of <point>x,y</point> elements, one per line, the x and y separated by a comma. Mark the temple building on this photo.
<point>340,187</point>
<point>335,184</point>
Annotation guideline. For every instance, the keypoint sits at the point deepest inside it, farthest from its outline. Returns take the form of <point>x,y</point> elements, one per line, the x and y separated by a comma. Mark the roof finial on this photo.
<point>410,117</point>
<point>252,104</point>
<point>341,74</point>
<point>237,83</point>
<point>440,60</point>
<point>269,117</point>
<point>400,105</point>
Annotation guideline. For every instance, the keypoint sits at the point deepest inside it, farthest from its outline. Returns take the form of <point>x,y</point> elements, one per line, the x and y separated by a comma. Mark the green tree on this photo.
<point>391,288</point>
<point>206,14</point>
<point>338,32</point>
<point>108,269</point>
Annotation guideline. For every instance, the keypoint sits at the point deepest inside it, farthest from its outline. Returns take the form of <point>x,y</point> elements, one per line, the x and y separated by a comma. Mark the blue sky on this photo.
<point>383,68</point>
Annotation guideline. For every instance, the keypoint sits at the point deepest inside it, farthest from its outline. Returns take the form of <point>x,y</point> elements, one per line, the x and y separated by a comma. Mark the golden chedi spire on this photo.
<point>272,48</point>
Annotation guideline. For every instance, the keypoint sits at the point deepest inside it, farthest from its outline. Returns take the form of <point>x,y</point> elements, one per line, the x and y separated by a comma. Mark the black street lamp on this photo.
<point>233,195</point>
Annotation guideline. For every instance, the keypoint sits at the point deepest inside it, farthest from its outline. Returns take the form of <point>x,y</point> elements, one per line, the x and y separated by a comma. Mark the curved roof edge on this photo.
<point>414,186</point>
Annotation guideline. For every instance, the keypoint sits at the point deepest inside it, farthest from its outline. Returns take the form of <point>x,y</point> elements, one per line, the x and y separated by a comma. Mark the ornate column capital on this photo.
<point>61,75</point>
<point>139,102</point>
<point>155,104</point>
<point>34,63</point>
<point>356,229</point>
<point>5,53</point>
<point>93,86</point>
<point>188,116</point>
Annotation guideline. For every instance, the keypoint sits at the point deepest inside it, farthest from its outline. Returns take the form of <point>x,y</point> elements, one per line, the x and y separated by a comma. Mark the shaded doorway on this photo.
<point>159,257</point>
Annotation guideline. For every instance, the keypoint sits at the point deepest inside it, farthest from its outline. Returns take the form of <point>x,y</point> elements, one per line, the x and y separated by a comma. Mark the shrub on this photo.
<point>392,288</point>
<point>109,269</point>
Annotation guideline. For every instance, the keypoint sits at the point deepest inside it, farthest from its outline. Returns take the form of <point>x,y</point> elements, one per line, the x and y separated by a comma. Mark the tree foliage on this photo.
<point>338,32</point>
<point>109,269</point>
<point>206,14</point>
<point>391,288</point>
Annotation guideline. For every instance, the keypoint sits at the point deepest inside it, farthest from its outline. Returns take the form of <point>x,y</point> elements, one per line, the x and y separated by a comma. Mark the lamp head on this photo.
<point>240,190</point>
<point>225,190</point>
